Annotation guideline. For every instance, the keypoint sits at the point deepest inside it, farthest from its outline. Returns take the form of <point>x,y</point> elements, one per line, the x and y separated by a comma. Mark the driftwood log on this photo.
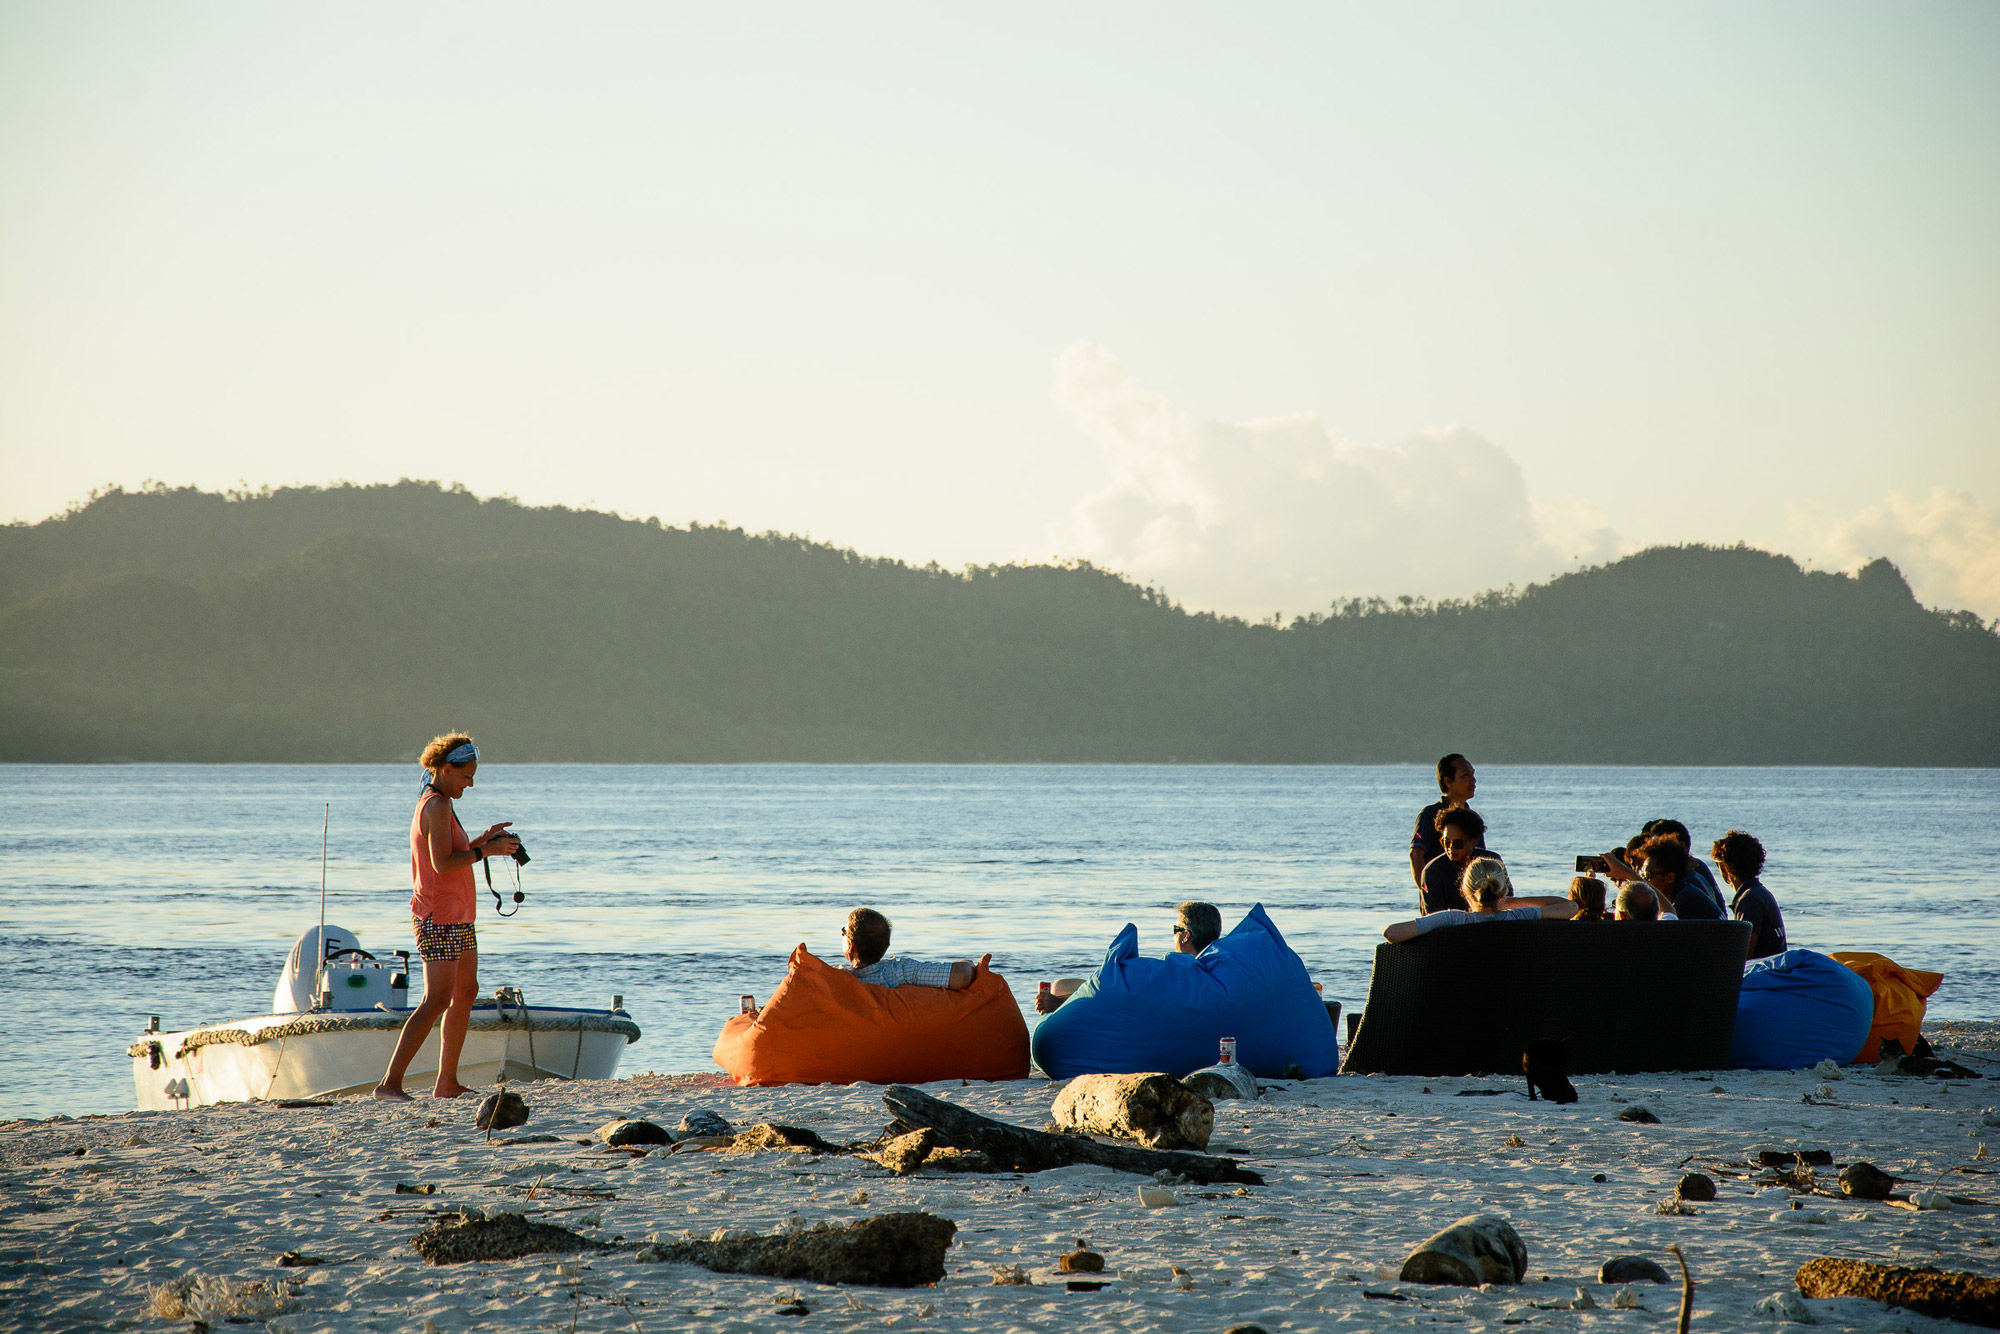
<point>1157,1110</point>
<point>899,1250</point>
<point>1023,1150</point>
<point>1967,1298</point>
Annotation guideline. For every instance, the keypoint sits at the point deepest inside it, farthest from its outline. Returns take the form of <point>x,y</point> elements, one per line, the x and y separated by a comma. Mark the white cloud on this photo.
<point>1279,514</point>
<point>1946,544</point>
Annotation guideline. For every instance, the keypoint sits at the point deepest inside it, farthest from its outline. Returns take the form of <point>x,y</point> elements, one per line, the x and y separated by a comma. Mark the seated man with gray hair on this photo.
<point>1197,925</point>
<point>1638,901</point>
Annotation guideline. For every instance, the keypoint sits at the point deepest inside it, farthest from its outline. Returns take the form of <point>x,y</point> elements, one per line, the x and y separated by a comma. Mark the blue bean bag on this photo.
<point>1142,1014</point>
<point>1797,1009</point>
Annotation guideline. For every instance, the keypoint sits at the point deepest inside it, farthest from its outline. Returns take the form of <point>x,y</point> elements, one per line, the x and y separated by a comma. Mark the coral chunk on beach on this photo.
<point>501,1237</point>
<point>764,1136</point>
<point>1970,1298</point>
<point>1480,1248</point>
<point>899,1250</point>
<point>904,1154</point>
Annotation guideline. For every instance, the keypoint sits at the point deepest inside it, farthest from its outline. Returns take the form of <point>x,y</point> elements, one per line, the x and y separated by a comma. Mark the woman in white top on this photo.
<point>1489,897</point>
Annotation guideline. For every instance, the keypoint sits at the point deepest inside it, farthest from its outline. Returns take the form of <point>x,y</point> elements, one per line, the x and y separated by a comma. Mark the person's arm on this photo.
<point>436,825</point>
<point>1398,932</point>
<point>1059,991</point>
<point>1616,869</point>
<point>1418,857</point>
<point>964,971</point>
<point>1543,901</point>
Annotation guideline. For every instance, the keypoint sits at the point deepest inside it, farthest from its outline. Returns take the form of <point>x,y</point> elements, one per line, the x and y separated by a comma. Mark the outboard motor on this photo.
<point>296,985</point>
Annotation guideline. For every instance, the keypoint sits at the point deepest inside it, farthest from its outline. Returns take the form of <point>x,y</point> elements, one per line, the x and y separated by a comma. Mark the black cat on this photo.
<point>1546,1063</point>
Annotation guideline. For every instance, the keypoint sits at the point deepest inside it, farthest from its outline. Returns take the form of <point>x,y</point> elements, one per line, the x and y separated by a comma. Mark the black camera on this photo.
<point>520,851</point>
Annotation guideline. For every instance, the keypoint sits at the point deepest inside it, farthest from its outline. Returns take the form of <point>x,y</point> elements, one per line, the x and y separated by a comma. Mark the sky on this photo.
<point>1263,305</point>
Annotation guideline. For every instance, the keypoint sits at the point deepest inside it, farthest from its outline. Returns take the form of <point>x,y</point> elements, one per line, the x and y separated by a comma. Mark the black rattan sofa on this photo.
<point>1626,996</point>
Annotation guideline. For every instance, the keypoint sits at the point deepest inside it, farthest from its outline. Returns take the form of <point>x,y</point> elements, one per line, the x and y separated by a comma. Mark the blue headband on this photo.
<point>459,755</point>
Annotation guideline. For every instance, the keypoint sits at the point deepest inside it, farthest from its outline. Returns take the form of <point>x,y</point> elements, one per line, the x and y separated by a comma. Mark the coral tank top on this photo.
<point>447,897</point>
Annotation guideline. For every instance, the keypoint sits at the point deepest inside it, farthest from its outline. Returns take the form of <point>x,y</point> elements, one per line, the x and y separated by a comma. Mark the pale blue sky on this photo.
<point>972,284</point>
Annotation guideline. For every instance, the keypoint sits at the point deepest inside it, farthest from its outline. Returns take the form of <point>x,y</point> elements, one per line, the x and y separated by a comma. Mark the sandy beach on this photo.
<point>103,1215</point>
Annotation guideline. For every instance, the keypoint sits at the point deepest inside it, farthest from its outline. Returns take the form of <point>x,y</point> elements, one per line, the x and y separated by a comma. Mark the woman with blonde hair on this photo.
<point>1489,897</point>
<point>442,903</point>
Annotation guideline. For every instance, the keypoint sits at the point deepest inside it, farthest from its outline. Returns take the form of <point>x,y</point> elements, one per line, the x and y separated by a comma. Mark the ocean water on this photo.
<point>177,890</point>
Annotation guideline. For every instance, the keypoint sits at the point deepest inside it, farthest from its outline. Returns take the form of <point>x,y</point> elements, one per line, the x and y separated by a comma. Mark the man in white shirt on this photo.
<point>865,939</point>
<point>1638,901</point>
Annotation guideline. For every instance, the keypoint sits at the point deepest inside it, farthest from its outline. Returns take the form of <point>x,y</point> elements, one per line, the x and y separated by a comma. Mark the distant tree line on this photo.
<point>349,623</point>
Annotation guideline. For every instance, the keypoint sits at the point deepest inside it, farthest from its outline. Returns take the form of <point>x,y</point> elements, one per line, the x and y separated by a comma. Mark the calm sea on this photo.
<point>177,890</point>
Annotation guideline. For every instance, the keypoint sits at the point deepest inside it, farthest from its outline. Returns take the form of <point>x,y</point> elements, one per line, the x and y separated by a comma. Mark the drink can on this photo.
<point>1045,989</point>
<point>1227,1056</point>
<point>749,1005</point>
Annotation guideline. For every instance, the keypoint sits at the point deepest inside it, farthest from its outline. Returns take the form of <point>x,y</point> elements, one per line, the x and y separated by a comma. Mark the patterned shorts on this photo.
<point>441,942</point>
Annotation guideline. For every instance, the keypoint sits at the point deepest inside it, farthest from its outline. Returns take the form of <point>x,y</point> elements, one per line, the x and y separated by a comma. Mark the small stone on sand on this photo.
<point>1865,1181</point>
<point>1631,1269</point>
<point>501,1111</point>
<point>1696,1186</point>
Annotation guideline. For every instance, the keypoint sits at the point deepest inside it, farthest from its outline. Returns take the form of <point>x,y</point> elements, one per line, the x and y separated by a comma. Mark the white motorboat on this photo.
<point>335,1016</point>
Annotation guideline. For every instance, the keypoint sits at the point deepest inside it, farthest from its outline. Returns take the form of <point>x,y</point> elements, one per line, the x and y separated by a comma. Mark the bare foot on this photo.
<point>451,1091</point>
<point>390,1093</point>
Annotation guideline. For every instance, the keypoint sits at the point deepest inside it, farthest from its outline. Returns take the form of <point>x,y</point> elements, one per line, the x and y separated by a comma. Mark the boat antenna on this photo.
<point>319,973</point>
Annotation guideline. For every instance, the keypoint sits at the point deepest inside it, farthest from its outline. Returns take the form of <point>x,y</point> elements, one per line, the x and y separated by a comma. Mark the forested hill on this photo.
<point>352,623</point>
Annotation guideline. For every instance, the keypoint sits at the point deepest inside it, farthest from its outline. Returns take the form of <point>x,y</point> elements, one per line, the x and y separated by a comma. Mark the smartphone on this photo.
<point>1592,864</point>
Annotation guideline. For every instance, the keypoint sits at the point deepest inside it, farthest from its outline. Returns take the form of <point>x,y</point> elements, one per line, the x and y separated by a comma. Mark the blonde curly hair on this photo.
<point>441,746</point>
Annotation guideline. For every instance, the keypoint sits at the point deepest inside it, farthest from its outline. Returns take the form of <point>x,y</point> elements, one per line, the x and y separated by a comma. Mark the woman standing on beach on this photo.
<point>442,903</point>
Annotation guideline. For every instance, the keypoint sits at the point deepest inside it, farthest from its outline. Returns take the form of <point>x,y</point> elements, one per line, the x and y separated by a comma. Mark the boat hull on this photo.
<point>323,1055</point>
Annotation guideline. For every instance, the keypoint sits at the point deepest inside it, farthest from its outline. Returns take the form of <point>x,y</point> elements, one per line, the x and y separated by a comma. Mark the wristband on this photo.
<point>479,854</point>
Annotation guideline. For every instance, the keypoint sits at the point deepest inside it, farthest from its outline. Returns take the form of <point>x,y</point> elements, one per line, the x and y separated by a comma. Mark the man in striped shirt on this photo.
<point>865,939</point>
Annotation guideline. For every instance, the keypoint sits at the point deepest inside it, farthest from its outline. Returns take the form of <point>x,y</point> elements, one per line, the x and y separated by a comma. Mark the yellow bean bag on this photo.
<point>825,1026</point>
<point>1900,994</point>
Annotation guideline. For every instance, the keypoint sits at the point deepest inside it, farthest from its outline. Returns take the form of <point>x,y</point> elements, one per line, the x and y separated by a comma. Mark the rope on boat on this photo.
<point>308,1024</point>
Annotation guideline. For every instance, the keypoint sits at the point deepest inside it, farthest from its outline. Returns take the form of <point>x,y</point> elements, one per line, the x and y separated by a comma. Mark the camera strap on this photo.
<point>486,865</point>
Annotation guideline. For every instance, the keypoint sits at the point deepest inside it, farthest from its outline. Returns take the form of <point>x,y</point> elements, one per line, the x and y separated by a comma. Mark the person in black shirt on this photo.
<point>1457,782</point>
<point>1740,859</point>
<point>1461,833</point>
<point>1664,864</point>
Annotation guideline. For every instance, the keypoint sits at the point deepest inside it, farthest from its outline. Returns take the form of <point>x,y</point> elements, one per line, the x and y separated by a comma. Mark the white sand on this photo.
<point>1358,1169</point>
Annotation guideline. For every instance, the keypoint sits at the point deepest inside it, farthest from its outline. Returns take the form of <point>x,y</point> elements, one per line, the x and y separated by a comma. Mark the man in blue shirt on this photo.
<point>1457,783</point>
<point>1664,863</point>
<point>1740,858</point>
<point>1698,874</point>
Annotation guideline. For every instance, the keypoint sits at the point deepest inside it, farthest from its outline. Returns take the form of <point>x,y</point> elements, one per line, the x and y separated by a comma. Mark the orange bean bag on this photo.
<point>825,1026</point>
<point>1900,994</point>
